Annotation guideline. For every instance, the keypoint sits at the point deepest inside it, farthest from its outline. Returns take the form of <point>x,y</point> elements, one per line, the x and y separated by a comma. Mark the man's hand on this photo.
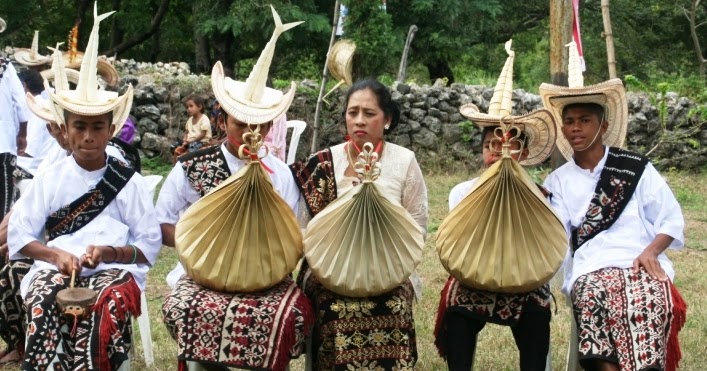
<point>96,254</point>
<point>649,260</point>
<point>66,262</point>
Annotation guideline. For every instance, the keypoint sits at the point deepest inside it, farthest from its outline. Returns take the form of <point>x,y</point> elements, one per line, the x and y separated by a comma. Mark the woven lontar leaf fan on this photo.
<point>503,236</point>
<point>362,244</point>
<point>242,236</point>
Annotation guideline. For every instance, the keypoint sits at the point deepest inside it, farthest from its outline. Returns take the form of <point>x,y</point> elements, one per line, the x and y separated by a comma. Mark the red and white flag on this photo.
<point>576,35</point>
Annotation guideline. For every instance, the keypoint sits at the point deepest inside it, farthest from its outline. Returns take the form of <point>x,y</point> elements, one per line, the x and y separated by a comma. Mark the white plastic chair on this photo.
<point>298,127</point>
<point>143,320</point>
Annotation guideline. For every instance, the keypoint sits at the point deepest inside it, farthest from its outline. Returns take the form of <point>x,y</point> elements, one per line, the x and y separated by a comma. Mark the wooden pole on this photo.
<point>404,59</point>
<point>317,111</point>
<point>608,36</point>
<point>560,34</point>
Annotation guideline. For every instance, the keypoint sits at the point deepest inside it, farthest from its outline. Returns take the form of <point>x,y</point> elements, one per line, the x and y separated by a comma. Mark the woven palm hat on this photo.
<point>87,99</point>
<point>105,69</point>
<point>31,57</point>
<point>539,125</point>
<point>251,101</point>
<point>609,94</point>
<point>42,107</point>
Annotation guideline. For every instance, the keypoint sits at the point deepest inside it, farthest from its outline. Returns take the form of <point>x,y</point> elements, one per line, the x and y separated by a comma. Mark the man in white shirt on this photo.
<point>39,140</point>
<point>13,131</point>
<point>259,328</point>
<point>87,216</point>
<point>621,216</point>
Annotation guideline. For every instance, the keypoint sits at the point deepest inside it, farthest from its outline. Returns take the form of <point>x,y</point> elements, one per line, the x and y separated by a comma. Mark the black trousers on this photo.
<point>7,182</point>
<point>531,334</point>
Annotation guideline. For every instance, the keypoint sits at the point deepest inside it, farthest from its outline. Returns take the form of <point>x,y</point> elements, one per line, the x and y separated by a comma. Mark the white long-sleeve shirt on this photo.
<point>39,142</point>
<point>128,219</point>
<point>651,211</point>
<point>13,109</point>
<point>177,194</point>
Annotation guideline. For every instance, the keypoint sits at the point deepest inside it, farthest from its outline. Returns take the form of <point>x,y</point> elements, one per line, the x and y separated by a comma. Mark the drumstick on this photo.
<point>73,275</point>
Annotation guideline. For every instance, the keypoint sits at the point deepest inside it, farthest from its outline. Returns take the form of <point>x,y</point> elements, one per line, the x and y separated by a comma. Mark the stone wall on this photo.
<point>430,121</point>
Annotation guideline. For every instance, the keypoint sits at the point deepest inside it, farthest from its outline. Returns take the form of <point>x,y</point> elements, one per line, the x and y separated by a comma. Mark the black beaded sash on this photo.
<point>74,216</point>
<point>616,185</point>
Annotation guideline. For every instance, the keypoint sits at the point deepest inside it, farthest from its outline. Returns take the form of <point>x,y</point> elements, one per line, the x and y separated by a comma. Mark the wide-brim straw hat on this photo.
<point>538,125</point>
<point>41,107</point>
<point>611,95</point>
<point>31,57</point>
<point>105,69</point>
<point>251,101</point>
<point>87,99</point>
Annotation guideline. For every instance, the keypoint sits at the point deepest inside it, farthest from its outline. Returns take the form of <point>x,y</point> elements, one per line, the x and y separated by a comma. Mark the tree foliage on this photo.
<point>456,39</point>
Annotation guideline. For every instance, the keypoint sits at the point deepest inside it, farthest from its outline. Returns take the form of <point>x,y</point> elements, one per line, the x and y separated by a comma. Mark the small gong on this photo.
<point>75,301</point>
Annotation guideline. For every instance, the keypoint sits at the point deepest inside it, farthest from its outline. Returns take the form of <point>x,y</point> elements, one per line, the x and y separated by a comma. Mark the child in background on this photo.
<point>198,128</point>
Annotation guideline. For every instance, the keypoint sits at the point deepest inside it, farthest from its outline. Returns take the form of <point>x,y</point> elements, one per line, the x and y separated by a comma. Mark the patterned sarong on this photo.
<point>12,311</point>
<point>375,333</point>
<point>250,331</point>
<point>501,309</point>
<point>102,340</point>
<point>629,319</point>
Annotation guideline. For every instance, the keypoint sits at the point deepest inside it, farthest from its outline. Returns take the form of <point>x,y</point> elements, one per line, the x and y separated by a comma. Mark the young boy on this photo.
<point>87,215</point>
<point>622,217</point>
<point>463,311</point>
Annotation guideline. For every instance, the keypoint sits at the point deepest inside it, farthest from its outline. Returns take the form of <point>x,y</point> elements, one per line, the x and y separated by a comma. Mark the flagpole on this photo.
<point>315,128</point>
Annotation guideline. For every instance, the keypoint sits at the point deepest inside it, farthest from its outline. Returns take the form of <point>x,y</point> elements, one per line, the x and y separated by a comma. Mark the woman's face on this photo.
<point>365,120</point>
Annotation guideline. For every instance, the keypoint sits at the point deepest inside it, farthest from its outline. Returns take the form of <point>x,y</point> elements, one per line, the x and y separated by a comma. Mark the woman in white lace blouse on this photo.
<point>372,332</point>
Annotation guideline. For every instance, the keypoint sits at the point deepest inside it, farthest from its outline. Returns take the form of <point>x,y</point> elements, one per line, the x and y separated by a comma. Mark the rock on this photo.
<point>414,126</point>
<point>431,102</point>
<point>164,108</point>
<point>142,96</point>
<point>149,111</point>
<point>456,118</point>
<point>396,95</point>
<point>424,138</point>
<point>164,123</point>
<point>129,79</point>
<point>434,112</point>
<point>153,142</point>
<point>403,88</point>
<point>402,140</point>
<point>432,123</point>
<point>147,126</point>
<point>417,114</point>
<point>451,133</point>
<point>161,93</point>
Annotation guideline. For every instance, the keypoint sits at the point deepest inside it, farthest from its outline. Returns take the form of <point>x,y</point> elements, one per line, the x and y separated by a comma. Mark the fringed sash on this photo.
<point>315,179</point>
<point>616,185</point>
<point>74,216</point>
<point>205,169</point>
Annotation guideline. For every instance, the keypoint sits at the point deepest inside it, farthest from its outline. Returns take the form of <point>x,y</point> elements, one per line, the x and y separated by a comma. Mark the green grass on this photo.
<point>496,349</point>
